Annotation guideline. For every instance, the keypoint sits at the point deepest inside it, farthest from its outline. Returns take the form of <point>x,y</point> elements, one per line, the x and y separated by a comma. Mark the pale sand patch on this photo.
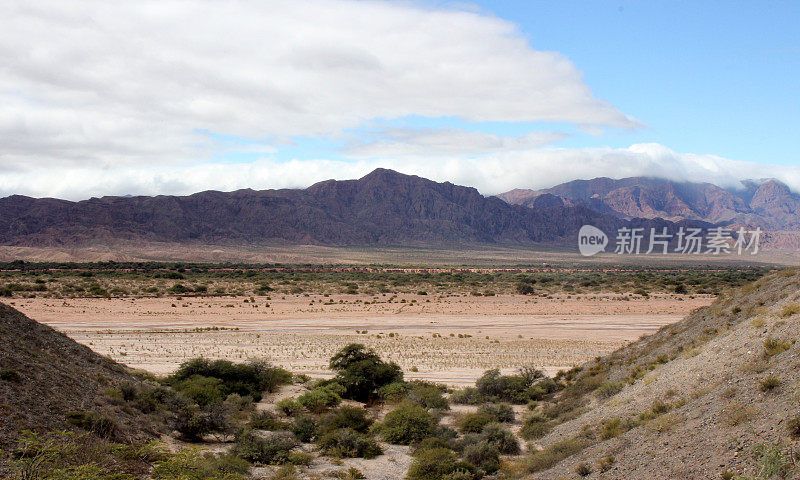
<point>301,332</point>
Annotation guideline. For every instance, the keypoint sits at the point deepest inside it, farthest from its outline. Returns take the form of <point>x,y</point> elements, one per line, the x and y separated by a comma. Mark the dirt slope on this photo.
<point>44,375</point>
<point>708,371</point>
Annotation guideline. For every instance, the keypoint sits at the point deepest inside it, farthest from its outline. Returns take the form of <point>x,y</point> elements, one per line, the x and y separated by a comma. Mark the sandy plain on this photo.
<point>446,338</point>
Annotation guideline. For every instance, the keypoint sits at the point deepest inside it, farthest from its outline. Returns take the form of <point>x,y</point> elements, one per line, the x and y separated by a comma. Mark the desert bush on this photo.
<point>492,386</point>
<point>773,460</point>
<point>501,438</point>
<point>790,309</point>
<point>305,428</point>
<point>246,379</point>
<point>427,395</point>
<point>351,473</point>
<point>605,463</point>
<point>348,443</point>
<point>433,464</point>
<point>429,444</point>
<point>616,426</point>
<point>608,389</point>
<point>289,407</point>
<point>362,372</point>
<point>499,412</point>
<point>191,464</point>
<point>267,448</point>
<point>346,416</point>
<point>393,392</point>
<point>484,456</point>
<point>298,457</point>
<point>285,472</point>
<point>200,389</point>
<point>774,346</point>
<point>62,455</point>
<point>769,383</point>
<point>474,422</point>
<point>736,413</point>
<point>98,423</point>
<point>534,426</point>
<point>407,424</point>
<point>547,458</point>
<point>266,420</point>
<point>466,396</point>
<point>319,400</point>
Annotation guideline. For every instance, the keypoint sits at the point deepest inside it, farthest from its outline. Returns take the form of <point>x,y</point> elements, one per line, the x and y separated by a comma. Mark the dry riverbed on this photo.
<point>449,339</point>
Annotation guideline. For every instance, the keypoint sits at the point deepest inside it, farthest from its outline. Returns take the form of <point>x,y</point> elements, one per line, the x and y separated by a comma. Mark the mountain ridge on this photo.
<point>768,204</point>
<point>382,208</point>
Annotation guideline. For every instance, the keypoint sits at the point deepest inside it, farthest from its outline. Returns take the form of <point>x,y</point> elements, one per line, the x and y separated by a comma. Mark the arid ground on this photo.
<point>446,338</point>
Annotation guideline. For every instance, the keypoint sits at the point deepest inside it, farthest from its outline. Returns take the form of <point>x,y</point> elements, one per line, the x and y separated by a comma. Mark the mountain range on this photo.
<point>389,208</point>
<point>768,204</point>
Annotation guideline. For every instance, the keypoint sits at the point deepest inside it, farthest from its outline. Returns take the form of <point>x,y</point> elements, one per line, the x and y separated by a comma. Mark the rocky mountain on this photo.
<point>770,204</point>
<point>382,208</point>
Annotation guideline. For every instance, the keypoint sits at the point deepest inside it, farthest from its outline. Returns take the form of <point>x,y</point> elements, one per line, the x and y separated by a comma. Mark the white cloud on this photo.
<point>443,141</point>
<point>491,174</point>
<point>94,83</point>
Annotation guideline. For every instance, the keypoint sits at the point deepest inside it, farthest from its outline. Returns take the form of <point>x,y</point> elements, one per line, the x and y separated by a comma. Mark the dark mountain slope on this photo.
<point>382,208</point>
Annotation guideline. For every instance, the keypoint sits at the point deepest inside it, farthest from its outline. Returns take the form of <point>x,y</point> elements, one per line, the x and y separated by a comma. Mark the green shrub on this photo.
<point>346,416</point>
<point>608,389</point>
<point>266,448</point>
<point>266,420</point>
<point>429,444</point>
<point>393,392</point>
<point>246,379</point>
<point>547,458</point>
<point>466,396</point>
<point>305,428</point>
<point>407,424</point>
<point>474,422</point>
<point>432,464</point>
<point>319,400</point>
<point>203,390</point>
<point>100,424</point>
<point>362,372</point>
<point>289,407</point>
<point>429,396</point>
<point>300,458</point>
<point>534,426</point>
<point>499,412</point>
<point>501,438</point>
<point>191,464</point>
<point>193,422</point>
<point>483,455</point>
<point>348,443</point>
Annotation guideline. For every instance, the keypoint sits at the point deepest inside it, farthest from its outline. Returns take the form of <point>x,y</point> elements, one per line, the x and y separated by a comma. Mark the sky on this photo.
<point>179,96</point>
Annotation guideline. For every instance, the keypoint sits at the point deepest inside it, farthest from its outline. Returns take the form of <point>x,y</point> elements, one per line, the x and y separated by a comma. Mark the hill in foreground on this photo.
<point>712,396</point>
<point>50,382</point>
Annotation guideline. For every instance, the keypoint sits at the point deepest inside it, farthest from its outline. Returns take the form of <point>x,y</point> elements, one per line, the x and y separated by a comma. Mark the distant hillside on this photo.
<point>382,208</point>
<point>769,204</point>
<point>713,394</point>
<point>45,376</point>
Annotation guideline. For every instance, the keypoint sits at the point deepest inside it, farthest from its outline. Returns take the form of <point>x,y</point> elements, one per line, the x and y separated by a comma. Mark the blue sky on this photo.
<point>167,97</point>
<point>715,77</point>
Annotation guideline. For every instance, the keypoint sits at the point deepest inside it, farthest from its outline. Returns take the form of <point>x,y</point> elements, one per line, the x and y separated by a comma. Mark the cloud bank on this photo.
<point>98,84</point>
<point>491,174</point>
